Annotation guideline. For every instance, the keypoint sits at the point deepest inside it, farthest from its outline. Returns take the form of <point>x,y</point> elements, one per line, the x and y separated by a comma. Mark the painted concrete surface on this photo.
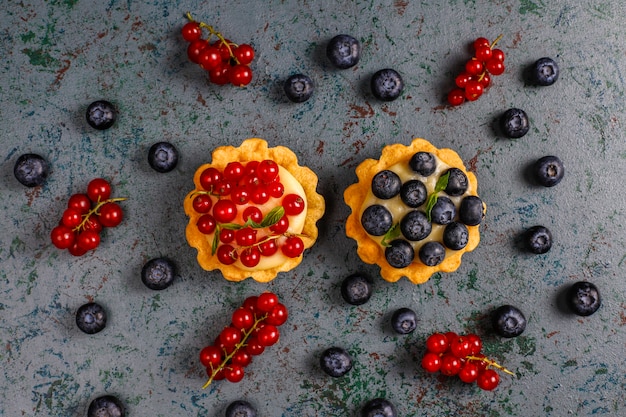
<point>59,56</point>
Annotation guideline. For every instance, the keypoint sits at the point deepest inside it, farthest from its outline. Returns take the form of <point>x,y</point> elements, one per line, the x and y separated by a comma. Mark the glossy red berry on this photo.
<point>234,373</point>
<point>240,75</point>
<point>211,356</point>
<point>88,240</point>
<point>230,336</point>
<point>450,364</point>
<point>278,315</point>
<point>293,247</point>
<point>469,372</point>
<point>226,254</point>
<point>110,214</point>
<point>488,380</point>
<point>242,318</point>
<point>195,48</point>
<point>206,224</point>
<point>267,335</point>
<point>244,54</point>
<point>62,237</point>
<point>480,42</point>
<point>98,190</point>
<point>293,204</point>
<point>483,53</point>
<point>80,202</point>
<point>431,362</point>
<point>202,203</point>
<point>266,302</point>
<point>495,66</point>
<point>456,97</point>
<point>191,31</point>
<point>437,343</point>
<point>473,90</point>
<point>224,211</point>
<point>209,58</point>
<point>474,66</point>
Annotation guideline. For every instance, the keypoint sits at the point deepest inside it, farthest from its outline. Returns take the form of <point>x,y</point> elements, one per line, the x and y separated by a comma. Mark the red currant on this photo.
<point>219,74</point>
<point>92,223</point>
<point>246,236</point>
<point>240,195</point>
<point>460,347</point>
<point>469,372</point>
<point>88,240</point>
<point>250,257</point>
<point>481,42</point>
<point>227,235</point>
<point>224,211</point>
<point>230,336</point>
<point>293,204</point>
<point>293,247</point>
<point>202,203</point>
<point>280,226</point>
<point>253,347</point>
<point>240,75</point>
<point>241,358</point>
<point>98,190</point>
<point>437,343</point>
<point>209,58</point>
<point>252,213</point>
<point>267,170</point>
<point>431,362</point>
<point>495,66</point>
<point>111,214</point>
<point>450,364</point>
<point>474,66</point>
<point>267,335</point>
<point>473,90</point>
<point>206,224</point>
<point>476,344</point>
<point>485,79</point>
<point>498,55</point>
<point>211,356</point>
<point>483,53</point>
<point>225,46</point>
<point>71,218</point>
<point>260,194</point>
<point>462,79</point>
<point>266,302</point>
<point>62,237</point>
<point>226,254</point>
<point>242,318</point>
<point>268,246</point>
<point>191,31</point>
<point>456,97</point>
<point>233,171</point>
<point>488,380</point>
<point>276,189</point>
<point>209,178</point>
<point>234,373</point>
<point>195,48</point>
<point>278,315</point>
<point>250,303</point>
<point>80,202</point>
<point>244,53</point>
<point>76,250</point>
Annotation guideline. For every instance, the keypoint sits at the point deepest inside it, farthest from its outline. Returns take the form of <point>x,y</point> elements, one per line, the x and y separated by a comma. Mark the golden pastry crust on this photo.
<point>255,149</point>
<point>371,251</point>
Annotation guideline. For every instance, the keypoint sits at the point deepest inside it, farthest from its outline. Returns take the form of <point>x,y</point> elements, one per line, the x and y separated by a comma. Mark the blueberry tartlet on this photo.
<point>415,211</point>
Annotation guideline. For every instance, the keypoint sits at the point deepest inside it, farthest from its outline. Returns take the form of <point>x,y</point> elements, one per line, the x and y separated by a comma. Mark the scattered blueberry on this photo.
<point>415,225</point>
<point>508,321</point>
<point>545,72</point>
<point>404,320</point>
<point>457,182</point>
<point>379,407</point>
<point>386,84</point>
<point>399,253</point>
<point>413,193</point>
<point>376,220</point>
<point>163,157</point>
<point>335,361</point>
<point>424,163</point>
<point>299,88</point>
<point>101,114</point>
<point>386,184</point>
<point>31,170</point>
<point>514,123</point>
<point>583,298</point>
<point>343,51</point>
<point>356,289</point>
<point>444,211</point>
<point>455,236</point>
<point>539,239</point>
<point>432,253</point>
<point>106,406</point>
<point>158,273</point>
<point>471,210</point>
<point>91,318</point>
<point>240,408</point>
<point>549,171</point>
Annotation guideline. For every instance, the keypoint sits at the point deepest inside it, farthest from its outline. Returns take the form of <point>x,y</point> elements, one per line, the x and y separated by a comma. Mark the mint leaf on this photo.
<point>391,234</point>
<point>442,182</point>
<point>216,240</point>
<point>232,226</point>
<point>273,216</point>
<point>441,185</point>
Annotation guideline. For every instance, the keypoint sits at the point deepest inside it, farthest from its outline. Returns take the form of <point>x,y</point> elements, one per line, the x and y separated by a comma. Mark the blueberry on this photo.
<point>455,236</point>
<point>240,408</point>
<point>335,361</point>
<point>376,220</point>
<point>356,289</point>
<point>101,114</point>
<point>415,225</point>
<point>163,157</point>
<point>386,184</point>
<point>514,123</point>
<point>343,51</point>
<point>106,406</point>
<point>386,84</point>
<point>583,298</point>
<point>457,182</point>
<point>471,210</point>
<point>508,321</point>
<point>424,163</point>
<point>549,171</point>
<point>31,170</point>
<point>444,211</point>
<point>404,320</point>
<point>299,88</point>
<point>538,239</point>
<point>545,72</point>
<point>399,253</point>
<point>413,193</point>
<point>158,273</point>
<point>379,407</point>
<point>91,318</point>
<point>432,253</point>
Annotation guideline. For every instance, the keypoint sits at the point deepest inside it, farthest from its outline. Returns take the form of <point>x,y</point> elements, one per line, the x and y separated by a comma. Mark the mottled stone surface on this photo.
<point>60,55</point>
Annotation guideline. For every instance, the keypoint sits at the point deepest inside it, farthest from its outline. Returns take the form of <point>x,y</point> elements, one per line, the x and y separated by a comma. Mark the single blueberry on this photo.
<point>356,289</point>
<point>376,220</point>
<point>386,184</point>
<point>471,210</point>
<point>386,84</point>
<point>413,193</point>
<point>240,408</point>
<point>415,225</point>
<point>508,321</point>
<point>91,318</point>
<point>163,157</point>
<point>455,236</point>
<point>424,163</point>
<point>539,239</point>
<point>457,182</point>
<point>404,320</point>
<point>549,171</point>
<point>31,170</point>
<point>379,407</point>
<point>432,253</point>
<point>545,72</point>
<point>299,88</point>
<point>106,406</point>
<point>583,298</point>
<point>399,253</point>
<point>514,123</point>
<point>343,51</point>
<point>335,361</point>
<point>444,211</point>
<point>101,114</point>
<point>158,273</point>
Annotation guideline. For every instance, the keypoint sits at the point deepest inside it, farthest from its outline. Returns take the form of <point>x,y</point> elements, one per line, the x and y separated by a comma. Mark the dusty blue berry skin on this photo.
<point>444,211</point>
<point>432,253</point>
<point>514,123</point>
<point>549,170</point>
<point>415,225</point>
<point>455,236</point>
<point>386,184</point>
<point>101,114</point>
<point>457,182</point>
<point>356,289</point>
<point>158,273</point>
<point>163,157</point>
<point>376,220</point>
<point>399,253</point>
<point>106,406</point>
<point>471,210</point>
<point>424,163</point>
<point>240,408</point>
<point>583,298</point>
<point>545,72</point>
<point>404,321</point>
<point>413,193</point>
<point>31,170</point>
<point>508,321</point>
<point>538,239</point>
<point>91,318</point>
<point>386,84</point>
<point>343,51</point>
<point>379,407</point>
<point>299,88</point>
<point>335,361</point>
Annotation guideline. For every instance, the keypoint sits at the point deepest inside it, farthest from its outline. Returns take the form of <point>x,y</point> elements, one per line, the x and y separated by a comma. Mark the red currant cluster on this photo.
<point>237,193</point>
<point>452,354</point>
<point>85,217</point>
<point>225,61</point>
<point>471,83</point>
<point>254,326</point>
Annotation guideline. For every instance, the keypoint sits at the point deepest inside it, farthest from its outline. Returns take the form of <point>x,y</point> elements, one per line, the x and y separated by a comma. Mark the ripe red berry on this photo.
<point>209,178</point>
<point>71,218</point>
<point>211,356</point>
<point>473,90</point>
<point>268,246</point>
<point>80,202</point>
<point>219,74</point>
<point>88,240</point>
<point>450,364</point>
<point>488,380</point>
<point>497,54</point>
<point>460,347</point>
<point>111,214</point>
<point>431,362</point>
<point>495,66</point>
<point>474,66</point>
<point>226,254</point>
<point>195,48</point>
<point>98,190</point>
<point>483,53</point>
<point>469,372</point>
<point>278,315</point>
<point>209,58</point>
<point>206,224</point>
<point>230,336</point>
<point>240,75</point>
<point>202,203</point>
<point>266,302</point>
<point>437,343</point>
<point>224,211</point>
<point>250,257</point>
<point>268,335</point>
<point>244,54</point>
<point>480,42</point>
<point>281,226</point>
<point>456,97</point>
<point>62,237</point>
<point>293,204</point>
<point>293,247</point>
<point>267,170</point>
<point>191,31</point>
<point>234,373</point>
<point>242,318</point>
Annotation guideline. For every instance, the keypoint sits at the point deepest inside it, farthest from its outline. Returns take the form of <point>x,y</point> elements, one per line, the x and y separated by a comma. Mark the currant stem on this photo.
<point>95,211</point>
<point>489,362</point>
<point>496,40</point>
<point>212,31</point>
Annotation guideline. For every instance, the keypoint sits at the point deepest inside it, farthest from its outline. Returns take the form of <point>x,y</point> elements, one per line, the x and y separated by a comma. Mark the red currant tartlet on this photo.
<point>253,211</point>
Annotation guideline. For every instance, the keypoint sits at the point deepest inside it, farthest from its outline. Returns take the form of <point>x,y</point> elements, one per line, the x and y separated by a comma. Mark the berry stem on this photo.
<point>212,31</point>
<point>489,362</point>
<point>94,211</point>
<point>496,40</point>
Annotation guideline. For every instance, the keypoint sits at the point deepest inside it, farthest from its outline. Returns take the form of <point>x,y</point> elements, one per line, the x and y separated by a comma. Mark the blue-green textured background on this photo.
<point>58,56</point>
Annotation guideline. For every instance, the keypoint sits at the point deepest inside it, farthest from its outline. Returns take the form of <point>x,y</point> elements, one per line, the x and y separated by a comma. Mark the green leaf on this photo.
<point>273,216</point>
<point>232,226</point>
<point>391,234</point>
<point>216,240</point>
<point>430,203</point>
<point>442,182</point>
<point>441,185</point>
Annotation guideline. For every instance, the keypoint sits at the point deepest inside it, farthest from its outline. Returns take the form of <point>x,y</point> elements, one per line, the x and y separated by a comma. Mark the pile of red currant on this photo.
<point>471,83</point>
<point>254,326</point>
<point>452,354</point>
<point>237,194</point>
<point>225,61</point>
<point>85,217</point>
